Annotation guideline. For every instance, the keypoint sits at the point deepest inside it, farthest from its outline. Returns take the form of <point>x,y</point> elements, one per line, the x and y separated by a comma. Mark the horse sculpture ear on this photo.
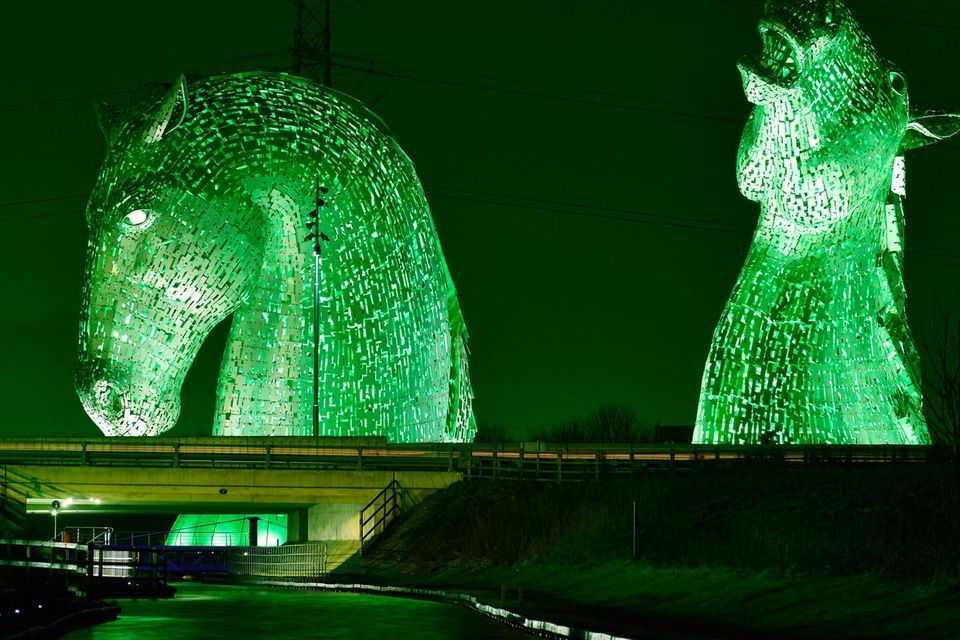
<point>170,114</point>
<point>928,127</point>
<point>107,117</point>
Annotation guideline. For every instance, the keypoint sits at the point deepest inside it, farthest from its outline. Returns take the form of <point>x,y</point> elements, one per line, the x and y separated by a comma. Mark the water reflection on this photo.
<point>212,611</point>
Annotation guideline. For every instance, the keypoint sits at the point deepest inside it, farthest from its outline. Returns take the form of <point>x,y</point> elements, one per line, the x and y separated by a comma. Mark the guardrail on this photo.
<point>87,535</point>
<point>290,561</point>
<point>93,569</point>
<point>548,461</point>
<point>94,566</point>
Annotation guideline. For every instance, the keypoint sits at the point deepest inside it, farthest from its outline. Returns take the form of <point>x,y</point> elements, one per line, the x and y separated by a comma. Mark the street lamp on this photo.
<point>54,510</point>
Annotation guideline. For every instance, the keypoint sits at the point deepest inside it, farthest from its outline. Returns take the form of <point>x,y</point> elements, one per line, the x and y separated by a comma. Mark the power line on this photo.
<point>92,96</point>
<point>533,85</point>
<point>147,72</point>
<point>20,203</point>
<point>577,209</point>
<point>371,69</point>
<point>38,216</point>
<point>638,217</point>
<point>103,94</point>
<point>529,93</point>
<point>901,9</point>
<point>490,84</point>
<point>349,5</point>
<point>589,211</point>
<point>862,6</point>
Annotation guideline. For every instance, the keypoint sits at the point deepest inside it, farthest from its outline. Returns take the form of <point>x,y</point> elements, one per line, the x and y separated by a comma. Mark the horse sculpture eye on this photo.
<point>136,218</point>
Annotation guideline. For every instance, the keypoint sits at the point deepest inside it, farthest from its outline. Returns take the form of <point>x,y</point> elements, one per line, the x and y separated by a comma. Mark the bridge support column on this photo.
<point>297,526</point>
<point>324,522</point>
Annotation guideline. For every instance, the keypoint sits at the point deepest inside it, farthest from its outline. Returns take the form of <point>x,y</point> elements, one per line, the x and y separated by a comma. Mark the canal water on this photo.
<point>232,612</point>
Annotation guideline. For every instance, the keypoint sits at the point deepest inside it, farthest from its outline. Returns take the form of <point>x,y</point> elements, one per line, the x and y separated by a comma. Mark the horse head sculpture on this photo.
<point>202,210</point>
<point>813,345</point>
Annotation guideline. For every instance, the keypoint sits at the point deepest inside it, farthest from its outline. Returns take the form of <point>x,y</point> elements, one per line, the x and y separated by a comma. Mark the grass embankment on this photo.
<point>746,552</point>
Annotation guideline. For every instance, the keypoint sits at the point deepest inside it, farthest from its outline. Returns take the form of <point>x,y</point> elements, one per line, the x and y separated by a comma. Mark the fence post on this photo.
<point>396,498</point>
<point>496,464</point>
<point>361,530</point>
<point>83,455</point>
<point>559,465</point>
<point>596,464</point>
<point>359,458</point>
<point>267,449</point>
<point>450,459</point>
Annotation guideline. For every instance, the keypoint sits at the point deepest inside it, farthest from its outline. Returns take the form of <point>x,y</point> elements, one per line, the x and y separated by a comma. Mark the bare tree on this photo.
<point>613,423</point>
<point>941,376</point>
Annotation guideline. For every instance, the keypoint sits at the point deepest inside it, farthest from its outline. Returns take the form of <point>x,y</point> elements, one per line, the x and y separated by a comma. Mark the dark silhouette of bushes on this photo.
<point>613,423</point>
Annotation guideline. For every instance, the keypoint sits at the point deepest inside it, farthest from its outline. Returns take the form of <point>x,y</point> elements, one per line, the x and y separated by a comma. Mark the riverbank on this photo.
<point>39,612</point>
<point>635,601</point>
<point>753,553</point>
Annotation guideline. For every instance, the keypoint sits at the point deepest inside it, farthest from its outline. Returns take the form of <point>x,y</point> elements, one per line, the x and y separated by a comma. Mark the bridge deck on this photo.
<point>234,474</point>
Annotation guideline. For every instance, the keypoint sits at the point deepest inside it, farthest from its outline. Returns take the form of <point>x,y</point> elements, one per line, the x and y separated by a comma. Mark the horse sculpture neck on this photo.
<point>813,345</point>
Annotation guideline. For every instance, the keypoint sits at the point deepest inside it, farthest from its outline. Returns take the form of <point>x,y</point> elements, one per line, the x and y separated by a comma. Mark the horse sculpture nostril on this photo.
<point>108,399</point>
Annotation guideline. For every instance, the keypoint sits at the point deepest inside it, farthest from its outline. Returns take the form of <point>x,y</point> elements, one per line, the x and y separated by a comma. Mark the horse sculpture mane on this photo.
<point>201,211</point>
<point>813,345</point>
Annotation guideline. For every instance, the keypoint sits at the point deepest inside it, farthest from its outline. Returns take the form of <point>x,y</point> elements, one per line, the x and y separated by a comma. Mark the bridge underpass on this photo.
<point>321,504</point>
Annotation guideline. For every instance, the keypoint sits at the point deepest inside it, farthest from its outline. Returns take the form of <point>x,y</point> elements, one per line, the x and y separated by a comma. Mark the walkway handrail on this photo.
<point>387,504</point>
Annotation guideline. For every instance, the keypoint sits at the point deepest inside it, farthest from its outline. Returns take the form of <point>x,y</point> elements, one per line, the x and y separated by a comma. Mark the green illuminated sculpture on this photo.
<point>226,530</point>
<point>203,209</point>
<point>813,345</point>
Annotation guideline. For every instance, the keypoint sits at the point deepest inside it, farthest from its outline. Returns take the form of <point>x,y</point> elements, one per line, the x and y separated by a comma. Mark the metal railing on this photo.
<point>154,564</point>
<point>379,512</point>
<point>527,460</point>
<point>291,561</point>
<point>91,568</point>
<point>88,535</point>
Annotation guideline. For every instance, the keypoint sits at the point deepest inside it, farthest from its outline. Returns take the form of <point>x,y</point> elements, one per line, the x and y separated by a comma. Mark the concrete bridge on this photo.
<point>323,483</point>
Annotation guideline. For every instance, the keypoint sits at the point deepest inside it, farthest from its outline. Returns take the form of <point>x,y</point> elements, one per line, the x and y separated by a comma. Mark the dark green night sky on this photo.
<point>578,158</point>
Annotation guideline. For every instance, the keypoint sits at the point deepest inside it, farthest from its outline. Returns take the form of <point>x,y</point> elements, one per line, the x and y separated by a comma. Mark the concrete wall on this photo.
<point>13,514</point>
<point>334,522</point>
<point>341,521</point>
